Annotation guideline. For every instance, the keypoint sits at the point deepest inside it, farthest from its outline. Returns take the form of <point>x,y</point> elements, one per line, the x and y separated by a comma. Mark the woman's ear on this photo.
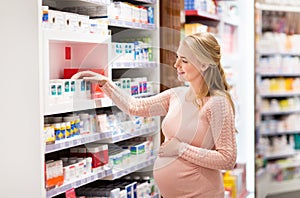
<point>204,66</point>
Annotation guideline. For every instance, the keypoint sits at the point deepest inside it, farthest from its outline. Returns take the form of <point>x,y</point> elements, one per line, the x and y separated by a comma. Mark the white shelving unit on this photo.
<point>266,134</point>
<point>131,65</point>
<point>37,62</point>
<point>278,95</point>
<point>130,169</point>
<point>104,174</point>
<point>107,137</point>
<point>79,182</point>
<point>132,25</point>
<point>266,185</point>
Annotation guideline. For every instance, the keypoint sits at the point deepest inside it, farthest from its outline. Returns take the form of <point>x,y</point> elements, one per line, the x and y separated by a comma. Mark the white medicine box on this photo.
<point>117,51</point>
<point>71,21</point>
<point>56,20</point>
<point>128,51</point>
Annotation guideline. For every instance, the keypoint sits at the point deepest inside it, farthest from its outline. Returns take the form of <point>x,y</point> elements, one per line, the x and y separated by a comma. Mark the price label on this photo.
<point>64,188</point>
<point>119,174</point>
<point>78,183</point>
<point>128,24</point>
<point>53,192</point>
<point>82,141</point>
<point>100,175</point>
<point>92,178</point>
<point>74,142</point>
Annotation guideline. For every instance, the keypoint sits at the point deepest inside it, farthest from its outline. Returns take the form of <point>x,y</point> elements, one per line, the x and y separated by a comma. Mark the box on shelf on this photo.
<point>96,91</point>
<point>69,72</point>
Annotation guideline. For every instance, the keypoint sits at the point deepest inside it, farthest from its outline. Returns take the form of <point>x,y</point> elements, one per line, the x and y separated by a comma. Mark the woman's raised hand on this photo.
<point>91,76</point>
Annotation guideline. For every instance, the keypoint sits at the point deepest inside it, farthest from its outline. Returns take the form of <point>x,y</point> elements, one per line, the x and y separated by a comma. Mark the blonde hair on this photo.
<point>205,46</point>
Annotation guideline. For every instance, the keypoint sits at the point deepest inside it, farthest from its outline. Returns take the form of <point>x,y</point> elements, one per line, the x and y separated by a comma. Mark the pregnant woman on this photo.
<point>199,130</point>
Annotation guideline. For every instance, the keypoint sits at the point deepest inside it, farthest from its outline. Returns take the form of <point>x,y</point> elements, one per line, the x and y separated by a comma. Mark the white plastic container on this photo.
<point>85,123</point>
<point>88,168</point>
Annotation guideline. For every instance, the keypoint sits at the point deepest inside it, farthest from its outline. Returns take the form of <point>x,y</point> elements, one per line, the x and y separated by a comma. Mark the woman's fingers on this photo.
<point>83,74</point>
<point>76,76</point>
<point>91,79</point>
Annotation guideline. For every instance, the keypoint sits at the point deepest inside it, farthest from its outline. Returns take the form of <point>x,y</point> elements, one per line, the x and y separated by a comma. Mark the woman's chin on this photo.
<point>181,78</point>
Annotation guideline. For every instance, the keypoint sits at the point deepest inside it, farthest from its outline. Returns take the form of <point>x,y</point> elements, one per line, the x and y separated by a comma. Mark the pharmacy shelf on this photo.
<point>129,135</point>
<point>284,186</point>
<point>278,95</point>
<point>117,173</point>
<point>272,53</point>
<point>71,36</point>
<point>279,155</point>
<point>103,174</point>
<point>77,105</point>
<point>60,4</point>
<point>80,182</point>
<point>277,7</point>
<point>278,74</point>
<point>146,1</point>
<point>132,25</point>
<point>132,65</point>
<point>268,134</point>
<point>107,137</point>
<point>201,14</point>
<point>266,186</point>
<point>76,141</point>
<point>282,112</point>
<point>288,164</point>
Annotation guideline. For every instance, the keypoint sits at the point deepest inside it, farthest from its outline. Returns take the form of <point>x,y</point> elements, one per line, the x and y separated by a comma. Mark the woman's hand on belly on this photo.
<point>171,148</point>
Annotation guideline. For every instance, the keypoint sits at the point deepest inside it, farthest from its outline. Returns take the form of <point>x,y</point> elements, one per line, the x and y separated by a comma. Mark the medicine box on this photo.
<point>69,72</point>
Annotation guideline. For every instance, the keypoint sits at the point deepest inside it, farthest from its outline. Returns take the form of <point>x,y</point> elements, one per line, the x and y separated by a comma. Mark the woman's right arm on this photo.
<point>157,105</point>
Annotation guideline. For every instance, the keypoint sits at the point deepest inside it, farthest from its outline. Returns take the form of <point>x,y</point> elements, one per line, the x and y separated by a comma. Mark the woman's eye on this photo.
<point>184,61</point>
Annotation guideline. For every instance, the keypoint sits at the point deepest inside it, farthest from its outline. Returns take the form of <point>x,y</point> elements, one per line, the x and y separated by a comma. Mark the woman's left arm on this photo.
<point>221,120</point>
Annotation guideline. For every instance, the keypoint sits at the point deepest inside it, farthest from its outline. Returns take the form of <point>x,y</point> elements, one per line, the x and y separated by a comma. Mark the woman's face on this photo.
<point>186,71</point>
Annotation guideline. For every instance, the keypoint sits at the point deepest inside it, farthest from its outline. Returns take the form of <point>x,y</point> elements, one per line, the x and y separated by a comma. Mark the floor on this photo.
<point>294,194</point>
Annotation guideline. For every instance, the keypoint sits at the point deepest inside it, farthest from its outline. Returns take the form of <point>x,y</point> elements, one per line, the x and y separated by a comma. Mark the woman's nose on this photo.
<point>176,64</point>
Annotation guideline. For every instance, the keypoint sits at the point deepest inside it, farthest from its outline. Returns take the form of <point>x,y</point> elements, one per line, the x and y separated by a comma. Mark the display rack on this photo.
<point>95,49</point>
<point>132,25</point>
<point>118,173</point>
<point>270,146</point>
<point>194,15</point>
<point>80,182</point>
<point>269,187</point>
<point>104,174</point>
<point>131,65</point>
<point>106,137</point>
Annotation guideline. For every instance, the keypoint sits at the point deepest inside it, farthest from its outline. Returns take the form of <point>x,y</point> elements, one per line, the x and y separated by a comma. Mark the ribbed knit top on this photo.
<point>208,135</point>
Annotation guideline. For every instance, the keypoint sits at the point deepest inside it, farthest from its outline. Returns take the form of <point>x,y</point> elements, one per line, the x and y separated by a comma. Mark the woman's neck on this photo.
<point>197,87</point>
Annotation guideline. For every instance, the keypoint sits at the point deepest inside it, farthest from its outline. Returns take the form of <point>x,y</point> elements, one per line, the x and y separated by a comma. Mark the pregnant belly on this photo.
<point>176,177</point>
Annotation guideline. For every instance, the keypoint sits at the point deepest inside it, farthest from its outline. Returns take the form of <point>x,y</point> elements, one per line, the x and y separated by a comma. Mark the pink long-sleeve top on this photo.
<point>208,136</point>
